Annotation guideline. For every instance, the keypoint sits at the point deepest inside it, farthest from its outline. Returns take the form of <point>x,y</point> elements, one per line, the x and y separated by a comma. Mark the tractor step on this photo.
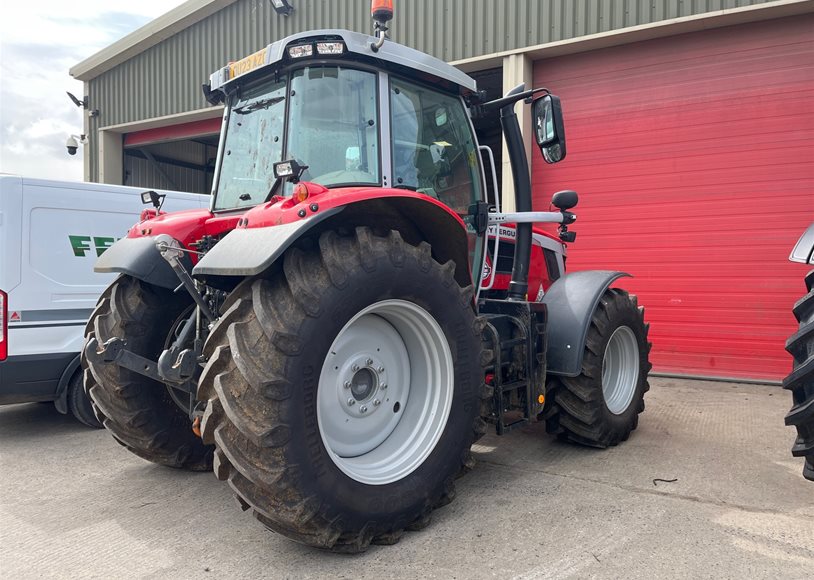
<point>515,333</point>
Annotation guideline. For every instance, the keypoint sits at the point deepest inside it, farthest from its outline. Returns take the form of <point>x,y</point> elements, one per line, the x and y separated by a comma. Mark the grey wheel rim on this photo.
<point>620,370</point>
<point>385,392</point>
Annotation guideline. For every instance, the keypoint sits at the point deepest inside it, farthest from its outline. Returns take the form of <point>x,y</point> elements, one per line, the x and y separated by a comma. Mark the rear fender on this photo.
<point>571,303</point>
<point>803,251</point>
<point>252,251</point>
<point>139,258</point>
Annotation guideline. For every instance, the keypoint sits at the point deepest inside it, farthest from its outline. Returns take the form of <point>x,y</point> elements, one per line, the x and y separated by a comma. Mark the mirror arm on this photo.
<point>512,98</point>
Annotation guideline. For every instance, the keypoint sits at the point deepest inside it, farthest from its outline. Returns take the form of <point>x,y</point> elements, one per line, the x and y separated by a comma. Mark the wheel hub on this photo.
<point>620,370</point>
<point>385,391</point>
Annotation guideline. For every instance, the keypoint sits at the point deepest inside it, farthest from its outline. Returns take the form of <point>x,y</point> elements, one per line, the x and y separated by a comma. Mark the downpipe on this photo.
<point>519,285</point>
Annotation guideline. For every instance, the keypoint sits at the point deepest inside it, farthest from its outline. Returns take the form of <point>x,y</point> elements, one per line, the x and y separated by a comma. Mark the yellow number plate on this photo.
<point>247,64</point>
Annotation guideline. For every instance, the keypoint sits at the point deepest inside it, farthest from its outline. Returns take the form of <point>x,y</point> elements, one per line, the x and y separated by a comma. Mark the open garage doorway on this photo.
<point>488,127</point>
<point>177,157</point>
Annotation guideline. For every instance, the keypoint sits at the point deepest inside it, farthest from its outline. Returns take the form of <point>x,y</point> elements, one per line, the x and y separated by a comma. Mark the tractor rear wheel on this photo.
<point>801,379</point>
<point>600,407</point>
<point>344,392</point>
<point>140,412</point>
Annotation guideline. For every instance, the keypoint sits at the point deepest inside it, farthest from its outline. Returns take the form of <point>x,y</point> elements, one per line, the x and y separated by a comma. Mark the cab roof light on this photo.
<point>301,51</point>
<point>381,10</point>
<point>330,48</point>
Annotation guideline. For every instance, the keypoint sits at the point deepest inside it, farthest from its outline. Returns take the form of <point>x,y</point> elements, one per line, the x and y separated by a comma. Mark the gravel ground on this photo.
<point>74,504</point>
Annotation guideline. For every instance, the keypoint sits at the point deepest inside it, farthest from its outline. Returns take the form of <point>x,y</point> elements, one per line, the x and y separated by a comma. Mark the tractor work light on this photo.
<point>301,51</point>
<point>289,169</point>
<point>330,48</point>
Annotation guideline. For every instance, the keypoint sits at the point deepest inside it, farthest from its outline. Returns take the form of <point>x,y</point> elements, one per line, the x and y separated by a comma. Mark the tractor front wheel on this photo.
<point>600,407</point>
<point>344,392</point>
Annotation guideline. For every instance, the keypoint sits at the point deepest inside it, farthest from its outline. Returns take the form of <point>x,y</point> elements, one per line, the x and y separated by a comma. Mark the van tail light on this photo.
<point>3,325</point>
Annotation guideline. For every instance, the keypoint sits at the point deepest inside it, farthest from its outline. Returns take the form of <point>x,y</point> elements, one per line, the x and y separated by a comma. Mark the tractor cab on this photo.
<point>348,117</point>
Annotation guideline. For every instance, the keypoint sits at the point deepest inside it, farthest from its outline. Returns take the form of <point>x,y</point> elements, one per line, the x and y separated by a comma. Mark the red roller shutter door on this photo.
<point>694,159</point>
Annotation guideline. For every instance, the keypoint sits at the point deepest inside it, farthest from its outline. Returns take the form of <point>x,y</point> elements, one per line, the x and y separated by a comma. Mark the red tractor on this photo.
<point>352,314</point>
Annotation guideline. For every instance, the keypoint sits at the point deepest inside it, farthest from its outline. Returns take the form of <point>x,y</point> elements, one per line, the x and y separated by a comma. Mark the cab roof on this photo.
<point>358,46</point>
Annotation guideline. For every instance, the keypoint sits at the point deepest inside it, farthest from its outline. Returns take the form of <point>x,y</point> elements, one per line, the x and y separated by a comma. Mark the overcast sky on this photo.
<point>39,41</point>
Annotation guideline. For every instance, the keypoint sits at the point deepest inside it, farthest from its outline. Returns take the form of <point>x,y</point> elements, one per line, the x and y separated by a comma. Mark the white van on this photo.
<point>51,233</point>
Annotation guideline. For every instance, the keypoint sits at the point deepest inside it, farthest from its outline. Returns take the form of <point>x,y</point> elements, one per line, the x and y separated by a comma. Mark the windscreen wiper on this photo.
<point>261,104</point>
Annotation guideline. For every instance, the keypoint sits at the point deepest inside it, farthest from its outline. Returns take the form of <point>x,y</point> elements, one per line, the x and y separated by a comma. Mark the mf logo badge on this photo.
<point>81,245</point>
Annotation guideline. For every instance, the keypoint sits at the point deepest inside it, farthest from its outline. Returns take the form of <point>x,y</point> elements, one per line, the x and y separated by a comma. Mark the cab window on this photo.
<point>433,149</point>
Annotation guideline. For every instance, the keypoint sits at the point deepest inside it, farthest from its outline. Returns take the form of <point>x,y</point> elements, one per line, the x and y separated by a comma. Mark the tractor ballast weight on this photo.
<point>338,331</point>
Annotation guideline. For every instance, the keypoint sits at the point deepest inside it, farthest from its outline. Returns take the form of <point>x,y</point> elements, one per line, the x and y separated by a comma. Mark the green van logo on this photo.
<point>81,245</point>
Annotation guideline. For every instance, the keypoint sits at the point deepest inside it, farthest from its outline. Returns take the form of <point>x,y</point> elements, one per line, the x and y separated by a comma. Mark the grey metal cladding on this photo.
<point>358,43</point>
<point>166,78</point>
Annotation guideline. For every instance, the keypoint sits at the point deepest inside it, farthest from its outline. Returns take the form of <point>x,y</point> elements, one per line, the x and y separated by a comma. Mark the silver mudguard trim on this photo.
<point>249,251</point>
<point>803,251</point>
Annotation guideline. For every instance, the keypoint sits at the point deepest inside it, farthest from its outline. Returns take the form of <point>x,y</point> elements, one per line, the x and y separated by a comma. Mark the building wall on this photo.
<point>692,156</point>
<point>166,79</point>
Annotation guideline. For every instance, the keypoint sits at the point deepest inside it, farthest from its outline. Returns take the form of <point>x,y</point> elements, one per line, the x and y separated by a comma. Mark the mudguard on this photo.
<point>803,251</point>
<point>249,251</point>
<point>571,302</point>
<point>138,257</point>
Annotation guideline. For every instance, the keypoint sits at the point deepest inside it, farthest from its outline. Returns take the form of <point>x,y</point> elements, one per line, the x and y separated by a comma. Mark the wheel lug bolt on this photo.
<point>370,361</point>
<point>384,385</point>
<point>351,402</point>
<point>355,368</point>
<point>363,409</point>
<point>377,402</point>
<point>347,384</point>
<point>381,369</point>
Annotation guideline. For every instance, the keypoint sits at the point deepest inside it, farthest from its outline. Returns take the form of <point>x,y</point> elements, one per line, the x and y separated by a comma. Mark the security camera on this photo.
<point>72,144</point>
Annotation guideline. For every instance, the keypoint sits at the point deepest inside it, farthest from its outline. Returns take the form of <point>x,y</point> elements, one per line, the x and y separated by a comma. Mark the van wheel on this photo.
<point>139,412</point>
<point>79,404</point>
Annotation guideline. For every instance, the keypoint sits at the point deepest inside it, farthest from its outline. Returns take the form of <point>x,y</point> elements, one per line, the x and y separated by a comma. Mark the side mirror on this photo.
<point>549,128</point>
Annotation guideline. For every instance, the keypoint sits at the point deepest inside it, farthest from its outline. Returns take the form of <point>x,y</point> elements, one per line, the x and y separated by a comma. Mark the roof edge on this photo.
<point>152,33</point>
<point>662,28</point>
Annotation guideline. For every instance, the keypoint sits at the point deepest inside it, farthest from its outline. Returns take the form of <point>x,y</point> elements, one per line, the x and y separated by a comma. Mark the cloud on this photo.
<point>39,42</point>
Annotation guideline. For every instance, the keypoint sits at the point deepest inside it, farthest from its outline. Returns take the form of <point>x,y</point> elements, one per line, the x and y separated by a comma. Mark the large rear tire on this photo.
<point>344,392</point>
<point>600,407</point>
<point>139,412</point>
<point>801,379</point>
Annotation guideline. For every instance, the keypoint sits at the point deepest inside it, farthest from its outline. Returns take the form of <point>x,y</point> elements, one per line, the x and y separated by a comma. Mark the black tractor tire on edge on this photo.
<point>138,411</point>
<point>79,404</point>
<point>576,409</point>
<point>801,379</point>
<point>265,358</point>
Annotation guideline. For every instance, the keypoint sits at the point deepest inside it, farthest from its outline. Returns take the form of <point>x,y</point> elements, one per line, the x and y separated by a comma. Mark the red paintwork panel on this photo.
<point>186,226</point>
<point>173,132</point>
<point>694,160</point>
<point>287,210</point>
<point>190,225</point>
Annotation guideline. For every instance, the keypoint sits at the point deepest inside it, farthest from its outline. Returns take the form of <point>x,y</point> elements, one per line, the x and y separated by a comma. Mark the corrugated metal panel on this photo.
<point>166,79</point>
<point>692,156</point>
